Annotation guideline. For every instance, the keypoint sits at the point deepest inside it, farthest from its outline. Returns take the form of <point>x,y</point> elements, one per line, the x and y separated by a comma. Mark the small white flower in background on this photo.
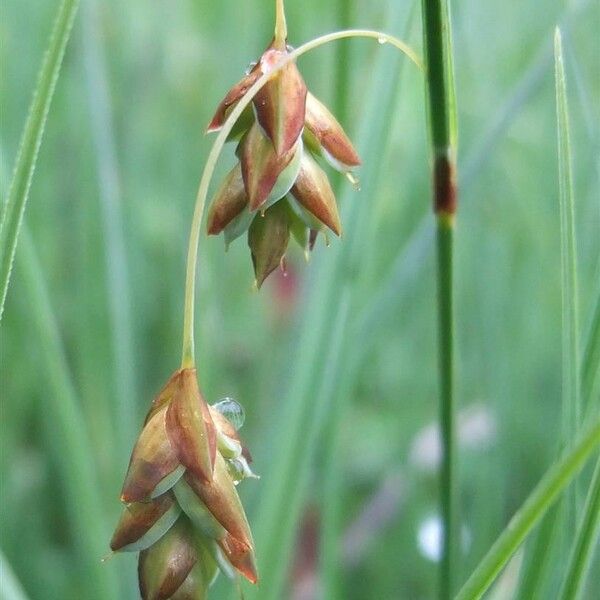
<point>476,430</point>
<point>429,538</point>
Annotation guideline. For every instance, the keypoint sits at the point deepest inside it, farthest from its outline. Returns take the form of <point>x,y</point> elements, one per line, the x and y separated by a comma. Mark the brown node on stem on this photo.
<point>444,185</point>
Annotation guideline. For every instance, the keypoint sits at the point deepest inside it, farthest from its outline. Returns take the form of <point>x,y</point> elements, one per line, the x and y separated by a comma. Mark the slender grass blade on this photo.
<point>30,142</point>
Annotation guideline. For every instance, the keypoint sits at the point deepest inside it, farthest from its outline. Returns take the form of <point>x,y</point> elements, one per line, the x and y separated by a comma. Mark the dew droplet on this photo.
<point>353,180</point>
<point>381,40</point>
<point>232,411</point>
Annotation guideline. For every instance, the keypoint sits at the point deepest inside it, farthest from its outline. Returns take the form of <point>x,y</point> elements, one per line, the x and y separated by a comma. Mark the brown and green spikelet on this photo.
<point>278,189</point>
<point>182,511</point>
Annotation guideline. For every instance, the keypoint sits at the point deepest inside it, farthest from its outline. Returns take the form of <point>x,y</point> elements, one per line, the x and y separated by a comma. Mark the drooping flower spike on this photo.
<point>183,513</point>
<point>278,189</point>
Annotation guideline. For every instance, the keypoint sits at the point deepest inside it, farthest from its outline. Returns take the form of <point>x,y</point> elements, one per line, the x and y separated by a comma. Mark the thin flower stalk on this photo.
<point>217,147</point>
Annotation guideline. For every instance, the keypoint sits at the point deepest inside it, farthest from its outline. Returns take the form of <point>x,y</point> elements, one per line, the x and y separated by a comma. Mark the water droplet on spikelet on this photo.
<point>353,180</point>
<point>381,40</point>
<point>233,411</point>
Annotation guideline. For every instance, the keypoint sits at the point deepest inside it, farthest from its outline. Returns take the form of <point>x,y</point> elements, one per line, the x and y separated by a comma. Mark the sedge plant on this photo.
<point>182,512</point>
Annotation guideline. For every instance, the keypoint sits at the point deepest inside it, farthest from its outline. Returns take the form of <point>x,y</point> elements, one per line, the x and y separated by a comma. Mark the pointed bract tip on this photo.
<point>241,556</point>
<point>222,500</point>
<point>267,176</point>
<point>214,126</point>
<point>231,98</point>
<point>280,105</point>
<point>338,148</point>
<point>229,201</point>
<point>191,429</point>
<point>153,459</point>
<point>268,240</point>
<point>313,192</point>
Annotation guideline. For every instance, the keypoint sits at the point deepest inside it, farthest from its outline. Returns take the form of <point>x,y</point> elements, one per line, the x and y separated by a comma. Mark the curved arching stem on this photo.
<point>187,359</point>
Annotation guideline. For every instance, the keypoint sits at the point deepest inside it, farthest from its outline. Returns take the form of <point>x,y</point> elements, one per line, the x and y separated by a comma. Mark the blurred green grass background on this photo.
<point>121,158</point>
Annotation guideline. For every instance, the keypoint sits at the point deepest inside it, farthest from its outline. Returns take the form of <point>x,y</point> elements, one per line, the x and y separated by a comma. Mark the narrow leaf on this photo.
<point>31,140</point>
<point>556,479</point>
<point>11,586</point>
<point>590,364</point>
<point>570,318</point>
<point>587,538</point>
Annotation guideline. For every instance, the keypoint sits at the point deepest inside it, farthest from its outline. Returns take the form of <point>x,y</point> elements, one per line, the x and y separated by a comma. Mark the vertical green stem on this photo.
<point>442,123</point>
<point>445,241</point>
<point>440,77</point>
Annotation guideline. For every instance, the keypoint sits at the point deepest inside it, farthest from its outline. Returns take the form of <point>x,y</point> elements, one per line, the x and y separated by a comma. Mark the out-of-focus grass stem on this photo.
<point>587,537</point>
<point>590,364</point>
<point>556,479</point>
<point>61,407</point>
<point>333,492</point>
<point>569,286</point>
<point>577,375</point>
<point>306,404</point>
<point>11,586</point>
<point>343,68</point>
<point>332,488</point>
<point>114,242</point>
